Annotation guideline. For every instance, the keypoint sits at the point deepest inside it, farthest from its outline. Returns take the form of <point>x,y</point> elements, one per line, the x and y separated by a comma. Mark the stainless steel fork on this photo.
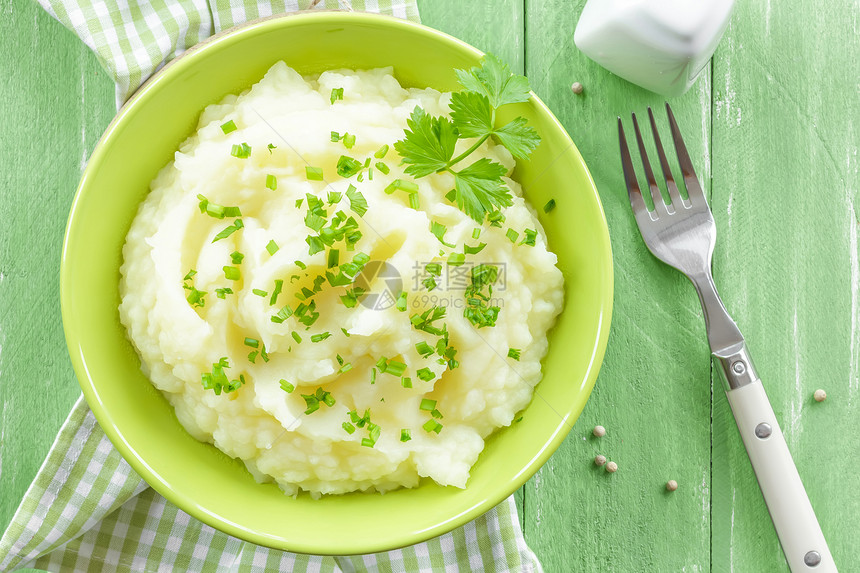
<point>682,234</point>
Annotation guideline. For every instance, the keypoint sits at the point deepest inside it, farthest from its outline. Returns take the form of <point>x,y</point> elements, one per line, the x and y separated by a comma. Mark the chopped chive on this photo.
<point>401,185</point>
<point>425,374</point>
<point>315,245</point>
<point>228,127</point>
<point>429,283</point>
<point>348,428</point>
<point>550,205</point>
<point>286,386</point>
<point>383,167</point>
<point>272,182</point>
<point>514,353</point>
<point>405,435</point>
<point>395,368</point>
<point>279,285</point>
<point>373,375</point>
<point>236,257</point>
<point>345,368</point>
<point>296,337</point>
<point>232,273</point>
<point>299,203</point>
<point>252,342</point>
<point>241,151</point>
<point>401,301</point>
<point>357,202</point>
<point>512,235</point>
<point>424,349</point>
<point>496,218</point>
<point>345,332</point>
<point>237,224</point>
<point>437,414</point>
<point>432,425</point>
<point>406,382</point>
<point>348,140</point>
<point>272,247</point>
<point>456,259</point>
<point>313,173</point>
<point>529,238</point>
<point>348,166</point>
<point>283,314</point>
<point>380,153</point>
<point>469,250</point>
<point>414,201</point>
<point>260,292</point>
<point>320,337</point>
<point>300,264</point>
<point>223,292</point>
<point>333,258</point>
<point>333,197</point>
<point>335,137</point>
<point>252,356</point>
<point>312,403</point>
<point>270,147</point>
<point>336,94</point>
<point>439,230</point>
<point>427,404</point>
<point>433,268</point>
<point>476,232</point>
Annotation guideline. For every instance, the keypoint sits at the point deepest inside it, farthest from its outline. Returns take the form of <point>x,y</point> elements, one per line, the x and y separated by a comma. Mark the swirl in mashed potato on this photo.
<point>338,411</point>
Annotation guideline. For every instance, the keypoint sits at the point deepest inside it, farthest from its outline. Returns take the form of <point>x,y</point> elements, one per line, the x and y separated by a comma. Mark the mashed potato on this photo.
<point>321,387</point>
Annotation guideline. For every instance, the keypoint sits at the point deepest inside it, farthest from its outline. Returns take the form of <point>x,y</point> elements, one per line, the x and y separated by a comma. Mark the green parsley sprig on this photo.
<point>429,142</point>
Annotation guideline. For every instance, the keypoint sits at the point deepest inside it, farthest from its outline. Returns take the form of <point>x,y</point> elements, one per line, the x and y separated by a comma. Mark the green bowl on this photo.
<point>139,421</point>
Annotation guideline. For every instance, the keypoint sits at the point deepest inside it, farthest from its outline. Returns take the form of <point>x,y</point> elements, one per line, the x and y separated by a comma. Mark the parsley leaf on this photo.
<point>472,114</point>
<point>519,138</point>
<point>493,78</point>
<point>480,189</point>
<point>428,145</point>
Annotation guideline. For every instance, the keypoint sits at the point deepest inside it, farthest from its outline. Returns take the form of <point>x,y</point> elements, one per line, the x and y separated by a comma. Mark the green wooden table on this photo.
<point>773,128</point>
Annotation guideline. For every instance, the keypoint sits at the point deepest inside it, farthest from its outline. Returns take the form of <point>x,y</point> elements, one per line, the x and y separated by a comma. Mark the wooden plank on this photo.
<point>653,393</point>
<point>495,26</point>
<point>785,186</point>
<point>57,101</point>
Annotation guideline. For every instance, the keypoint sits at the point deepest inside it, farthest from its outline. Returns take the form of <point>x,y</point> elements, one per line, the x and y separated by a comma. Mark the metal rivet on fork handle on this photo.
<point>763,431</point>
<point>812,558</point>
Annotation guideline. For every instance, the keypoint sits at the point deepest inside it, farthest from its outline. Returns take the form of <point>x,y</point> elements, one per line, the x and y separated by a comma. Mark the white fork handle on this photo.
<point>787,502</point>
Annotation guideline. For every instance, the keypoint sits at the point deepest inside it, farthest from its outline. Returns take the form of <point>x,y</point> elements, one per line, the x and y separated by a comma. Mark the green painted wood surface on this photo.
<point>772,125</point>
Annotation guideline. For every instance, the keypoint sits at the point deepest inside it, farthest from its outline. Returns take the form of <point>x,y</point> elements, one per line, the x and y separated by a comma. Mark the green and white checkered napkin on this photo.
<point>87,509</point>
<point>133,39</point>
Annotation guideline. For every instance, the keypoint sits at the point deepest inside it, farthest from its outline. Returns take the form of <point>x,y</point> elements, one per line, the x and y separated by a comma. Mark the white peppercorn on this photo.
<point>820,395</point>
<point>612,467</point>
<point>599,431</point>
<point>599,460</point>
<point>671,485</point>
<point>577,88</point>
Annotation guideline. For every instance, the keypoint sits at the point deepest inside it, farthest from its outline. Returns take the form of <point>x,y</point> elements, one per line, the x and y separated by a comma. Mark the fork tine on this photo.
<point>656,196</point>
<point>633,190</point>
<point>694,190</point>
<point>674,194</point>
